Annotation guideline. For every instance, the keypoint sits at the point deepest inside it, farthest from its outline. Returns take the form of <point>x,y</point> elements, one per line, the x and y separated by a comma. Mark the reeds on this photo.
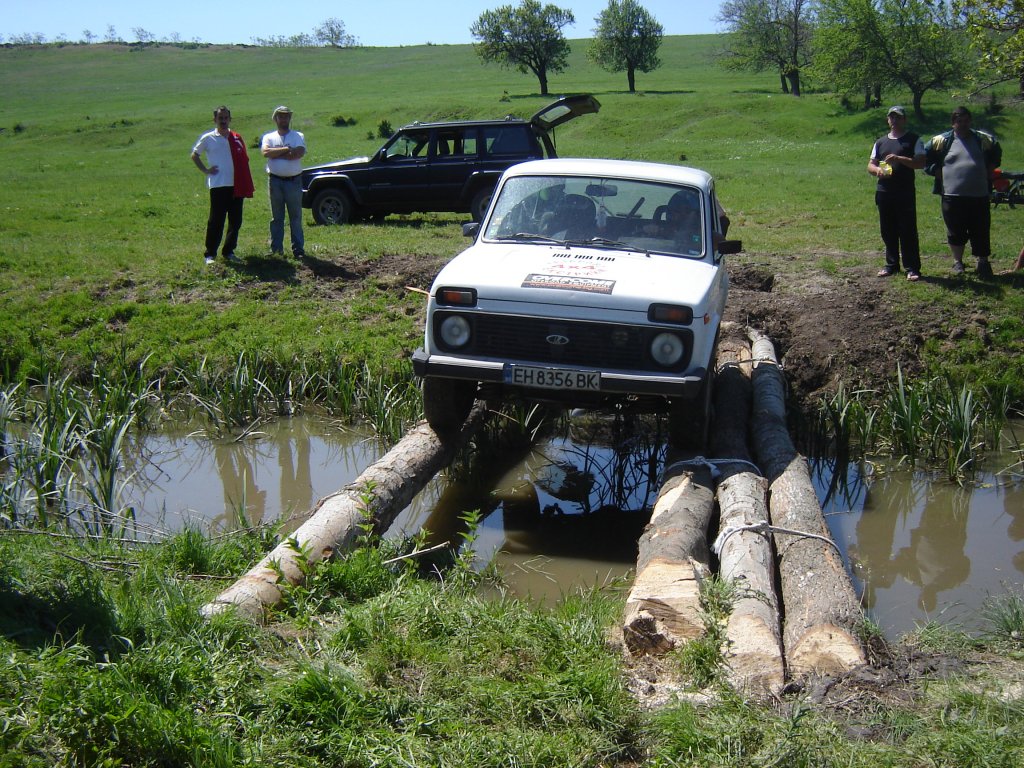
<point>62,443</point>
<point>935,422</point>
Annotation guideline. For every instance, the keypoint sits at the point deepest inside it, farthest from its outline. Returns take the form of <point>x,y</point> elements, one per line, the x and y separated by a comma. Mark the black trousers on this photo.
<point>223,205</point>
<point>897,218</point>
<point>968,220</point>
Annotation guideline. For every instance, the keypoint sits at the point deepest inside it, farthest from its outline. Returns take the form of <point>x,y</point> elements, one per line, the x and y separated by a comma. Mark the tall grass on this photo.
<point>934,422</point>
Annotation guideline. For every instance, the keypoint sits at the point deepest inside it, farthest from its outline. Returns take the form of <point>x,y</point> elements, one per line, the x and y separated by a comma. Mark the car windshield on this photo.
<point>637,215</point>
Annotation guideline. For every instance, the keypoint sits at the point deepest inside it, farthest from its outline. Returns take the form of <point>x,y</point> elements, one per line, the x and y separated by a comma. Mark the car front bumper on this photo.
<point>617,383</point>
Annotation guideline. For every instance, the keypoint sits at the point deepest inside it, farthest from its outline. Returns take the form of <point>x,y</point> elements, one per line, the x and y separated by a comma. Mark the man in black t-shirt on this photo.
<point>893,160</point>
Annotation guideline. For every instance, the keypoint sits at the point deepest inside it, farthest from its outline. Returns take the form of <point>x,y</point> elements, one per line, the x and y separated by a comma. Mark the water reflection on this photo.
<point>923,549</point>
<point>180,478</point>
<point>568,511</point>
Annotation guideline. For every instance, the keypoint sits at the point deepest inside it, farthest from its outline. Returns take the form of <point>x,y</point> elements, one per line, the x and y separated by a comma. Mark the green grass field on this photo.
<point>103,213</point>
<point>107,661</point>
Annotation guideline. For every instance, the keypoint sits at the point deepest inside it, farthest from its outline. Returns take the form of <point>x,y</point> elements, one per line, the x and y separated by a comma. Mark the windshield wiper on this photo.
<point>602,242</point>
<point>529,236</point>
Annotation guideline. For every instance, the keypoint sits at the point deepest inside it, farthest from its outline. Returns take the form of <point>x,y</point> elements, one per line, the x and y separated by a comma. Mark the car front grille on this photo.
<point>552,342</point>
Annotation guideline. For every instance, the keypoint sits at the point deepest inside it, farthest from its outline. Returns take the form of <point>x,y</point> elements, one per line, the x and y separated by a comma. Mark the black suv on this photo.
<point>435,166</point>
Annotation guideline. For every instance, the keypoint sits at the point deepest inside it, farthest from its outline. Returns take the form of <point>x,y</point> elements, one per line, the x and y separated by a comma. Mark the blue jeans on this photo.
<point>286,194</point>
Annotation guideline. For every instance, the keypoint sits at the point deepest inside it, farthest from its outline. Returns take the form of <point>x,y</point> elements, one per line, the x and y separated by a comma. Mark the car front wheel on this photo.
<point>332,206</point>
<point>447,403</point>
<point>689,421</point>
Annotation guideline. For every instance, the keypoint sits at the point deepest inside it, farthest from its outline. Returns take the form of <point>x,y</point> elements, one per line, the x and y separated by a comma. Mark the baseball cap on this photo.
<point>898,110</point>
<point>281,108</point>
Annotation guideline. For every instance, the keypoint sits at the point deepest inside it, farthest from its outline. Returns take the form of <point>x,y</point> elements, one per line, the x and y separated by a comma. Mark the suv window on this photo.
<point>506,140</point>
<point>410,144</point>
<point>456,142</point>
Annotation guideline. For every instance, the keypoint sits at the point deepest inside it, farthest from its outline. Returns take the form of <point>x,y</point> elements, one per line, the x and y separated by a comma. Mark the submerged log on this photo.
<point>663,607</point>
<point>753,648</point>
<point>374,498</point>
<point>822,613</point>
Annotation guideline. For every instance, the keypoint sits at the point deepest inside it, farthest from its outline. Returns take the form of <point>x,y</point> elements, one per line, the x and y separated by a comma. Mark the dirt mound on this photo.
<point>828,328</point>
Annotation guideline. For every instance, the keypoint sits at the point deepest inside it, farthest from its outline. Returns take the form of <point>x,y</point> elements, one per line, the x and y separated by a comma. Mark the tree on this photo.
<point>627,38</point>
<point>908,43</point>
<point>332,33</point>
<point>770,34</point>
<point>841,55</point>
<point>527,38</point>
<point>996,28</point>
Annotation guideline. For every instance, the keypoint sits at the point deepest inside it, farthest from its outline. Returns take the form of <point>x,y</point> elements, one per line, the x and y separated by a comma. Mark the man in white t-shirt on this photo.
<point>219,170</point>
<point>284,150</point>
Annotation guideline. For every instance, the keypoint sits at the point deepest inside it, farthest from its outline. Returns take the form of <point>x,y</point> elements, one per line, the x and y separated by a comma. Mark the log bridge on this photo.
<point>796,613</point>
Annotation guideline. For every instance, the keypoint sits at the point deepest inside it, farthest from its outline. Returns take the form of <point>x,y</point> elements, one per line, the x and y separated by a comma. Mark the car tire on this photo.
<point>332,206</point>
<point>481,200</point>
<point>447,403</point>
<point>689,421</point>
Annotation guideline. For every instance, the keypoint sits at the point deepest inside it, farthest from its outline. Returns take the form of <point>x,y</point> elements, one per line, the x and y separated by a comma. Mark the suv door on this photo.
<point>401,172</point>
<point>456,157</point>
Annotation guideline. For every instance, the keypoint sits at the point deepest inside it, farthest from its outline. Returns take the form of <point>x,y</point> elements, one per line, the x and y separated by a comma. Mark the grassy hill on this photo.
<point>104,213</point>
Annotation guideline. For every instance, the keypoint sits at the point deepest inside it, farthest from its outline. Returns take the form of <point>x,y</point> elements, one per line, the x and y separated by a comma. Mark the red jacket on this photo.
<point>240,160</point>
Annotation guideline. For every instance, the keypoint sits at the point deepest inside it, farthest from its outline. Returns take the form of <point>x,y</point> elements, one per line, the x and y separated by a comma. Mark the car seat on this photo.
<point>575,218</point>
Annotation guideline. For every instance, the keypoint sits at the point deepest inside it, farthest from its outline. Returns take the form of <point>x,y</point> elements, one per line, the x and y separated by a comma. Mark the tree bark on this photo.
<point>376,498</point>
<point>663,607</point>
<point>822,612</point>
<point>753,648</point>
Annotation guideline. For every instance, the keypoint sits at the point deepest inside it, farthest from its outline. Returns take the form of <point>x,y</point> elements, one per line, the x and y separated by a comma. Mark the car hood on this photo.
<point>585,277</point>
<point>339,165</point>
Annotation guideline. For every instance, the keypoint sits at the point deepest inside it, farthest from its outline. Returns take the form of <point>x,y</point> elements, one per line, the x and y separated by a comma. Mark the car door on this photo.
<point>400,177</point>
<point>454,158</point>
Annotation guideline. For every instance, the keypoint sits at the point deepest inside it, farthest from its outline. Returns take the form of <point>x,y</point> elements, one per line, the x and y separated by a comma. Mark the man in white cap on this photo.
<point>284,150</point>
<point>893,160</point>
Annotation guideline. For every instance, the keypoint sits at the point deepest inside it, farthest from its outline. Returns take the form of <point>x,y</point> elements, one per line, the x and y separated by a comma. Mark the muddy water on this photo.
<point>568,513</point>
<point>178,478</point>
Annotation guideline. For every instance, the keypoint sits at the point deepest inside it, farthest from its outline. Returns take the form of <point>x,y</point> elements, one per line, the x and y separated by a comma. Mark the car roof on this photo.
<point>620,169</point>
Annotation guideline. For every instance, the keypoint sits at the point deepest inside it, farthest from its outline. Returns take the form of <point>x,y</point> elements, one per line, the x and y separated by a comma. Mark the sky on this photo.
<point>390,23</point>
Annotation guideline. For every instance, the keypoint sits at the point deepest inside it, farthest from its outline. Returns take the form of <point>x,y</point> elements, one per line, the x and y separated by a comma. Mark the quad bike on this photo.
<point>1007,187</point>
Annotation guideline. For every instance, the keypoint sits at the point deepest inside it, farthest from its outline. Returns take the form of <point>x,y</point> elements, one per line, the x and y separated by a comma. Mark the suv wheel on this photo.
<point>332,206</point>
<point>447,403</point>
<point>481,200</point>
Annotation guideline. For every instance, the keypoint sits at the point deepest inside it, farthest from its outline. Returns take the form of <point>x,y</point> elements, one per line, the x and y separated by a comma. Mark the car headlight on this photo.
<point>667,349</point>
<point>455,331</point>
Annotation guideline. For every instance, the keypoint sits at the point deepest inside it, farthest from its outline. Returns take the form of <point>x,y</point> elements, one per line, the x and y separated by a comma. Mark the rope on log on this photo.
<point>376,497</point>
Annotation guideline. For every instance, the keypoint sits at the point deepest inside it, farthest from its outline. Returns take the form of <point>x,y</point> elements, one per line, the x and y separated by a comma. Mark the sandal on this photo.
<point>886,272</point>
<point>913,276</point>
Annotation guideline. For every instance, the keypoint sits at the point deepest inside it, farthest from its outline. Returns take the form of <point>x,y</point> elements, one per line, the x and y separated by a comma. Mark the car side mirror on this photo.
<point>470,229</point>
<point>726,247</point>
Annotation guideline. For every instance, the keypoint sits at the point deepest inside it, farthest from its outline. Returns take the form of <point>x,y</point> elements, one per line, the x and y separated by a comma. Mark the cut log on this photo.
<point>376,498</point>
<point>663,607</point>
<point>753,648</point>
<point>822,613</point>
